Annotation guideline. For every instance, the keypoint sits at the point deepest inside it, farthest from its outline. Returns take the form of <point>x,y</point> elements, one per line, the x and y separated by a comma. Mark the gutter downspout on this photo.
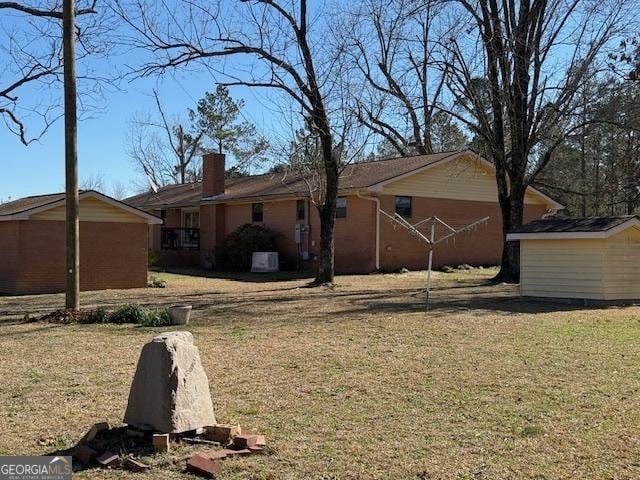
<point>377,202</point>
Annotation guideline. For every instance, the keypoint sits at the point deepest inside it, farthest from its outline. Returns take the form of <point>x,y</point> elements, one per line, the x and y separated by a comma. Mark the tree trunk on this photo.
<point>512,208</point>
<point>72,300</point>
<point>327,246</point>
<point>326,262</point>
<point>181,155</point>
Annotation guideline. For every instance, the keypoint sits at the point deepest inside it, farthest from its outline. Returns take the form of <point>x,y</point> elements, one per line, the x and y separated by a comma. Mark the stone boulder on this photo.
<point>170,390</point>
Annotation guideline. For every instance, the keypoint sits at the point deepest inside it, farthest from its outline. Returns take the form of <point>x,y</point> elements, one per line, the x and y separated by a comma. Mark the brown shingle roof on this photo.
<point>354,176</point>
<point>27,203</point>
<point>574,225</point>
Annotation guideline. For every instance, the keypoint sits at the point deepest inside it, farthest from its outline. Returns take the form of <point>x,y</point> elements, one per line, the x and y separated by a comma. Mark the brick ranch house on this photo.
<point>458,187</point>
<point>114,239</point>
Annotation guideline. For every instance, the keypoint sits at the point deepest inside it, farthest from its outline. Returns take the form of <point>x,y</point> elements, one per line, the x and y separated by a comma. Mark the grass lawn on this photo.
<point>354,382</point>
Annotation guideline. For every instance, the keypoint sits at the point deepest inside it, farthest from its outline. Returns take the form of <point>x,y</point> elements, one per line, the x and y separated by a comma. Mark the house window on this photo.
<point>341,207</point>
<point>163,214</point>
<point>256,212</point>
<point>300,210</point>
<point>191,219</point>
<point>403,206</point>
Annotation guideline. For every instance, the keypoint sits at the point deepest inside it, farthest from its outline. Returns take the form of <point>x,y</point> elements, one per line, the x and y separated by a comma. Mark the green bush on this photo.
<point>236,251</point>
<point>100,315</point>
<point>155,282</point>
<point>156,318</point>
<point>128,314</point>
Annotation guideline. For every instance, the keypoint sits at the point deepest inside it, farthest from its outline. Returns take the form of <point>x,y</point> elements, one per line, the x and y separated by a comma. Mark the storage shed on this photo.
<point>594,258</point>
<point>113,244</point>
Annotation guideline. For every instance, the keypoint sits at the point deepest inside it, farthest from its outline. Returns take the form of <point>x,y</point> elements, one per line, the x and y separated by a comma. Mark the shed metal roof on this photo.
<point>583,227</point>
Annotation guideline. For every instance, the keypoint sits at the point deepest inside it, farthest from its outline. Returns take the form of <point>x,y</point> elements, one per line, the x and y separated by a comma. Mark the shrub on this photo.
<point>125,314</point>
<point>157,318</point>
<point>236,251</point>
<point>128,314</point>
<point>100,315</point>
<point>155,282</point>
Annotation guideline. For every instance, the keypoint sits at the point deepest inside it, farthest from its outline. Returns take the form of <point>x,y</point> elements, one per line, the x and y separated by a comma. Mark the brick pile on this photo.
<point>222,441</point>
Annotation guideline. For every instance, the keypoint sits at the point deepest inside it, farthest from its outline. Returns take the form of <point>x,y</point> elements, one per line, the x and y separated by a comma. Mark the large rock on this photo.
<point>170,390</point>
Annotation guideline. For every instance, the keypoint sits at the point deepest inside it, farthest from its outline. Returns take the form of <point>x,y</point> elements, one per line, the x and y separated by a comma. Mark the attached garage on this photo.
<point>596,258</point>
<point>113,244</point>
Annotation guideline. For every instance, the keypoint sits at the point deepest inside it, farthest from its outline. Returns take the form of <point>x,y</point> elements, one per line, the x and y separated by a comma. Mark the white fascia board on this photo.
<point>554,235</point>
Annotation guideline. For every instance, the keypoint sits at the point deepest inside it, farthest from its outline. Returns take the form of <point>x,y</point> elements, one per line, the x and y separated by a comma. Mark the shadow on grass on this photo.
<point>240,276</point>
<point>279,302</point>
<point>115,441</point>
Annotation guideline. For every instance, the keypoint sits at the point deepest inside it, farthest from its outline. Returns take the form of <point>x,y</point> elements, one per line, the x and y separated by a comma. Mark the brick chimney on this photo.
<point>212,174</point>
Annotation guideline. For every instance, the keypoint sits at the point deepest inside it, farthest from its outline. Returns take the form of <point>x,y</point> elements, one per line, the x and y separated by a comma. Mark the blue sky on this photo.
<point>39,168</point>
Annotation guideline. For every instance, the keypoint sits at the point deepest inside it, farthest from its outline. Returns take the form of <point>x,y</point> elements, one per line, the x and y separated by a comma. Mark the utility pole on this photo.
<point>71,156</point>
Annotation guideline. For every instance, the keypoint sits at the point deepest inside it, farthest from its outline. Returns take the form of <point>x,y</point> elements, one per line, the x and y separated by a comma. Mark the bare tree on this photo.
<point>93,182</point>
<point>165,151</point>
<point>289,51</point>
<point>515,76</point>
<point>31,55</point>
<point>119,190</point>
<point>396,47</point>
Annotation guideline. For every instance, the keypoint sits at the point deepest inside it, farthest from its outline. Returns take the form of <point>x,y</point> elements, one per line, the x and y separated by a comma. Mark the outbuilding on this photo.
<point>594,258</point>
<point>113,244</point>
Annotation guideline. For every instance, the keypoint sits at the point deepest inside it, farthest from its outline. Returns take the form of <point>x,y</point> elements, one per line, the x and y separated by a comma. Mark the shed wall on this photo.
<point>622,266</point>
<point>112,255</point>
<point>563,268</point>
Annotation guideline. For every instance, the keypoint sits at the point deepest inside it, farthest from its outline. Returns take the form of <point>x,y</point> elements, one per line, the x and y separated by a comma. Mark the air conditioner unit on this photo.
<point>264,262</point>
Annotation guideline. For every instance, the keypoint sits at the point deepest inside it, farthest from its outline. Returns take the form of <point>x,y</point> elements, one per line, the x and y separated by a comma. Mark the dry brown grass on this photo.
<point>353,382</point>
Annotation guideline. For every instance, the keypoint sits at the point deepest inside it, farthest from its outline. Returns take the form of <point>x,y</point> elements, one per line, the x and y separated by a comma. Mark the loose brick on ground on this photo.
<point>203,466</point>
<point>84,454</point>
<point>160,442</point>
<point>136,466</point>
<point>214,454</point>
<point>245,441</point>
<point>93,431</point>
<point>238,453</point>
<point>108,459</point>
<point>222,433</point>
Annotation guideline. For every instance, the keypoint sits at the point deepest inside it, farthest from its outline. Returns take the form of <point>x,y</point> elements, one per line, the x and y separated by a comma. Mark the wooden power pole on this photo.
<point>71,156</point>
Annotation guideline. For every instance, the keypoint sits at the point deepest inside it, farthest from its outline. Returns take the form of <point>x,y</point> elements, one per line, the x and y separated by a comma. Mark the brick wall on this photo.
<point>279,216</point>
<point>355,234</point>
<point>482,246</point>
<point>112,255</point>
<point>9,237</point>
<point>355,237</point>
